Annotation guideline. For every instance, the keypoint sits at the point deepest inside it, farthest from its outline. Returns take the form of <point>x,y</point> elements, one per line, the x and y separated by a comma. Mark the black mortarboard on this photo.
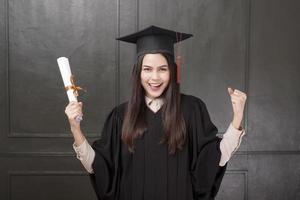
<point>155,39</point>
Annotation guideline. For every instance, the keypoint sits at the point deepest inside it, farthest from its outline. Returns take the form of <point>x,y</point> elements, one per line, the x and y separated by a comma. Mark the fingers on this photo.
<point>243,96</point>
<point>73,110</point>
<point>237,93</point>
<point>235,99</point>
<point>72,116</point>
<point>74,104</point>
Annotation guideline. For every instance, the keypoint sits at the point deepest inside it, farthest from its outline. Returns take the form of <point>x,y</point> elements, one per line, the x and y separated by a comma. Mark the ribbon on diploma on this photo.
<point>73,86</point>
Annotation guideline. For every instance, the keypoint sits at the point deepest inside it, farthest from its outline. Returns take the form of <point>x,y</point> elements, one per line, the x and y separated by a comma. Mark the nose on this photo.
<point>155,75</point>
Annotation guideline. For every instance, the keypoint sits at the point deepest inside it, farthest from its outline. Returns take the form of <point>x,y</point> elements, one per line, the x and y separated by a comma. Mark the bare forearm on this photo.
<point>236,122</point>
<point>78,136</point>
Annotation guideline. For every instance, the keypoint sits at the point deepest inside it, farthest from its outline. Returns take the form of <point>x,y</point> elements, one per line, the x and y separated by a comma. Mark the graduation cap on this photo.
<point>154,39</point>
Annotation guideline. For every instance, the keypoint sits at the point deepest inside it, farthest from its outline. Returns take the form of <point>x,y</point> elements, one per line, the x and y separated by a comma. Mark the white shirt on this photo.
<point>229,144</point>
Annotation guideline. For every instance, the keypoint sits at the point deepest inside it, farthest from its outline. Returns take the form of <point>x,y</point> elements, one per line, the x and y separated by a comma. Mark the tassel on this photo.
<point>178,63</point>
<point>178,57</point>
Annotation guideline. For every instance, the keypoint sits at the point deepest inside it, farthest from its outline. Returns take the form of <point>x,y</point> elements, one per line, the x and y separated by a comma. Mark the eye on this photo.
<point>146,69</point>
<point>163,69</point>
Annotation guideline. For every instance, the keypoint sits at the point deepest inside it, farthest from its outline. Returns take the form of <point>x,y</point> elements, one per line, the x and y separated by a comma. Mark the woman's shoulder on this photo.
<point>190,101</point>
<point>119,110</point>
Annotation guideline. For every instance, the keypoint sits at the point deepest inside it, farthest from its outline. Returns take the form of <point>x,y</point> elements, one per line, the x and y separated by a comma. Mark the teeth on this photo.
<point>155,84</point>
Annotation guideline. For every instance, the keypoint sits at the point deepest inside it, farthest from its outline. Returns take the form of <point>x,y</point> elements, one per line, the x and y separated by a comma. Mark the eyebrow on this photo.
<point>158,66</point>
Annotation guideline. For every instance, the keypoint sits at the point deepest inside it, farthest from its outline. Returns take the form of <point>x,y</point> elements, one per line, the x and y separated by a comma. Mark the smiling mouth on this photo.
<point>154,86</point>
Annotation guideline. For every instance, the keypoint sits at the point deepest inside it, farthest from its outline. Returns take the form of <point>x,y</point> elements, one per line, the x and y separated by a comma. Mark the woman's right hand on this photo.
<point>73,110</point>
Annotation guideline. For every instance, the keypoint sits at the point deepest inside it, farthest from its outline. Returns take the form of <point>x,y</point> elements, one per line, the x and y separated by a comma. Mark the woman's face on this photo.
<point>155,74</point>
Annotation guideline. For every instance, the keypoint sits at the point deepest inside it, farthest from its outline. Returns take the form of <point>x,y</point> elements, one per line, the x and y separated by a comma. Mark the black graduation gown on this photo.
<point>151,173</point>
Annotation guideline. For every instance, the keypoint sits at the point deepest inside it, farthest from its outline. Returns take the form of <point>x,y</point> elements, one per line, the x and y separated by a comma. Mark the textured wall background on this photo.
<point>251,45</point>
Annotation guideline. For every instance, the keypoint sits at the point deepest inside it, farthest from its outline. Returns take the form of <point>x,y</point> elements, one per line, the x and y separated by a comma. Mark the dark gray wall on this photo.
<point>251,45</point>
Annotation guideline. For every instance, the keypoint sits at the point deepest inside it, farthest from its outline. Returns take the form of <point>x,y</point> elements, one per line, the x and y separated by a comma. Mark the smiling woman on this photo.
<point>163,150</point>
<point>154,76</point>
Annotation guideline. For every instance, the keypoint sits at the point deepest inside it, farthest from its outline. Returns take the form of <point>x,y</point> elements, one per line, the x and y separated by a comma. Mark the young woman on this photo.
<point>160,144</point>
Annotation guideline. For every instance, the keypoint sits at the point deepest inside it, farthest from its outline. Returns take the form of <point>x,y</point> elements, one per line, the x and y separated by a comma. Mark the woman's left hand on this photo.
<point>238,100</point>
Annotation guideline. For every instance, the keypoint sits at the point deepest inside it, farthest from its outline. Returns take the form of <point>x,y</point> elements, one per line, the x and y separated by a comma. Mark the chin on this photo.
<point>153,94</point>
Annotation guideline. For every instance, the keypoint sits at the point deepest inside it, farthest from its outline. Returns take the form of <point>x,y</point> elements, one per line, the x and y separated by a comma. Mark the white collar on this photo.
<point>158,101</point>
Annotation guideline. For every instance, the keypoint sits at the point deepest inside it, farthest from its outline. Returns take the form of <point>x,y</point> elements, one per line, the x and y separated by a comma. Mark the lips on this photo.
<point>154,86</point>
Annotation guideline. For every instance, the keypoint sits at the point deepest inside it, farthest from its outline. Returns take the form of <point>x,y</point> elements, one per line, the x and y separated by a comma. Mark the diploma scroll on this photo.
<point>71,89</point>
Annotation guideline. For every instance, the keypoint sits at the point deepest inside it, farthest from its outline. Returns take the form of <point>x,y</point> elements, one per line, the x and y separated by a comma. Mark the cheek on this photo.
<point>167,77</point>
<point>144,80</point>
<point>143,77</point>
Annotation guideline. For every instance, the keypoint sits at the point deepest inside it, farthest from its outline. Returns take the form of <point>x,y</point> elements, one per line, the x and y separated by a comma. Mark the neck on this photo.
<point>149,99</point>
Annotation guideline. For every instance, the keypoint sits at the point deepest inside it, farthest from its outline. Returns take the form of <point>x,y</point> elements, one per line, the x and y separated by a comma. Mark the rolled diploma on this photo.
<point>65,71</point>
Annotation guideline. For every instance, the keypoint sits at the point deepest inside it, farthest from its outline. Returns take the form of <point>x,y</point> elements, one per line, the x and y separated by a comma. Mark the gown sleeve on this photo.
<point>206,174</point>
<point>106,177</point>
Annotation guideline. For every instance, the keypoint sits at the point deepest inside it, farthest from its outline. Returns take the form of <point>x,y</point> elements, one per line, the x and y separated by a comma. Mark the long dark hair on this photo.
<point>134,123</point>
